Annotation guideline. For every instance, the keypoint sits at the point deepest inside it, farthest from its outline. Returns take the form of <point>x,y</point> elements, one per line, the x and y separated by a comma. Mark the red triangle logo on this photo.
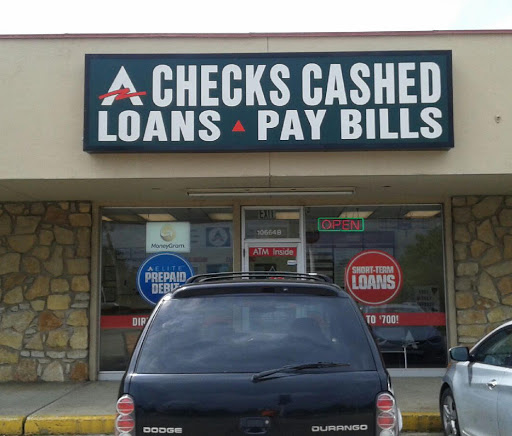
<point>238,127</point>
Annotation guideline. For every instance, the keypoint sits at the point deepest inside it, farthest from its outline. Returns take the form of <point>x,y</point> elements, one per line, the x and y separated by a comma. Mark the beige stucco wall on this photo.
<point>41,115</point>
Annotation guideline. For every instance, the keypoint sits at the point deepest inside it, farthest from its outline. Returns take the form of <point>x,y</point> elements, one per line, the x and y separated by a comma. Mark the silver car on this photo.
<point>476,395</point>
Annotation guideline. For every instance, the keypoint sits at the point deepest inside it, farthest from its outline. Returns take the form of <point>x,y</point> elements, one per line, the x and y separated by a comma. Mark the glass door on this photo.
<point>273,238</point>
<point>272,256</point>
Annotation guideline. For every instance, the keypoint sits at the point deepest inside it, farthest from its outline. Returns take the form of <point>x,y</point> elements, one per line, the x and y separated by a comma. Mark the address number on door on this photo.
<point>269,232</point>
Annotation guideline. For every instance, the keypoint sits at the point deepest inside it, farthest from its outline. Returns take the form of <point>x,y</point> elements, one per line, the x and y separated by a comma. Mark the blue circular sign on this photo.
<point>160,274</point>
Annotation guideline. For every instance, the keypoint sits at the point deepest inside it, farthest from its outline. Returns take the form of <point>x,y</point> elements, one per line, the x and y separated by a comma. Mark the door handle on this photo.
<point>492,384</point>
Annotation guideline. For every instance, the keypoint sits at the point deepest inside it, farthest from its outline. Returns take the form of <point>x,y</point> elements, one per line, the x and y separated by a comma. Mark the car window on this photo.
<point>497,350</point>
<point>251,333</point>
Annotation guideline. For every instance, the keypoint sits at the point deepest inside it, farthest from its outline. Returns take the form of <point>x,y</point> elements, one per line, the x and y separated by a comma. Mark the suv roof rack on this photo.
<point>262,275</point>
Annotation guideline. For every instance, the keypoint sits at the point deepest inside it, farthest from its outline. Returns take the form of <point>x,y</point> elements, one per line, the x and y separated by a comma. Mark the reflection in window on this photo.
<point>497,350</point>
<point>412,327</point>
<point>243,333</point>
<point>202,236</point>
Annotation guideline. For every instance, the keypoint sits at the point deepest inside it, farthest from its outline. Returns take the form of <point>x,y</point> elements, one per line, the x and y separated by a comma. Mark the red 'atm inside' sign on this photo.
<point>340,224</point>
<point>273,252</point>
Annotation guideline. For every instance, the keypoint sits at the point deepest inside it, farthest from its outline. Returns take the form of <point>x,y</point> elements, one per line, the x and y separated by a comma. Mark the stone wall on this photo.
<point>45,254</point>
<point>482,236</point>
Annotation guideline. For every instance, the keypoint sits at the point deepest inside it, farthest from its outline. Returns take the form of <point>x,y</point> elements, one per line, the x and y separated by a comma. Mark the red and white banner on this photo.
<point>373,277</point>
<point>273,251</point>
<point>406,319</point>
<point>123,321</point>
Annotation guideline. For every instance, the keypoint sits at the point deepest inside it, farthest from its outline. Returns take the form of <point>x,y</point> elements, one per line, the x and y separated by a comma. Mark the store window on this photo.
<point>196,240</point>
<point>390,259</point>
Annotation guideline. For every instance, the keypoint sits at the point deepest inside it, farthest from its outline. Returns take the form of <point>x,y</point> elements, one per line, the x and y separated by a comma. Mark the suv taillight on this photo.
<point>125,419</point>
<point>387,419</point>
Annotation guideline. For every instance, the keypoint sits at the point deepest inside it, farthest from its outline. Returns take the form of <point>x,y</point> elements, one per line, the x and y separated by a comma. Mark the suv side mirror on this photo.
<point>459,354</point>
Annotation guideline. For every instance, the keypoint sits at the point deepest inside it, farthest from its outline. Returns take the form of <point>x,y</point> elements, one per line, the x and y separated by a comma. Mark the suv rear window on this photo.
<point>251,333</point>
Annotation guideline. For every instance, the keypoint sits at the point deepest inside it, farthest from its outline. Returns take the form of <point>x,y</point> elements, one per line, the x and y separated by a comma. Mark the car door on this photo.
<point>505,403</point>
<point>478,402</point>
<point>504,388</point>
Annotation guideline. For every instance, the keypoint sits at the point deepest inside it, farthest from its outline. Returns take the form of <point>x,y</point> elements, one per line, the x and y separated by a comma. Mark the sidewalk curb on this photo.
<point>84,424</point>
<point>104,424</point>
<point>11,425</point>
<point>421,422</point>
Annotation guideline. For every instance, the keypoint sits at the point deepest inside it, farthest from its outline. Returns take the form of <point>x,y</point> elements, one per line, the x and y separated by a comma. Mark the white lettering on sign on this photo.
<point>254,91</point>
<point>165,276</point>
<point>384,82</point>
<point>180,104</point>
<point>122,84</point>
<point>260,252</point>
<point>163,282</point>
<point>339,428</point>
<point>130,127</point>
<point>211,131</point>
<point>207,85</point>
<point>188,80</point>
<point>406,319</point>
<point>155,127</point>
<point>370,269</point>
<point>266,120</point>
<point>335,86</point>
<point>312,96</point>
<point>405,82</point>
<point>373,281</point>
<point>362,269</point>
<point>434,129</point>
<point>163,288</point>
<point>272,251</point>
<point>162,97</point>
<point>383,319</point>
<point>283,252</point>
<point>291,124</point>
<point>162,430</point>
<point>430,79</point>
<point>373,277</point>
<point>186,85</point>
<point>351,124</point>
<point>281,97</point>
<point>352,120</point>
<point>297,124</point>
<point>315,120</point>
<point>182,126</point>
<point>231,94</point>
<point>180,85</point>
<point>362,95</point>
<point>139,321</point>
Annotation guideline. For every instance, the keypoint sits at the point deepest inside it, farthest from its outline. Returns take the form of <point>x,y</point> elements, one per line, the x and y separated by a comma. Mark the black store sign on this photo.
<point>269,102</point>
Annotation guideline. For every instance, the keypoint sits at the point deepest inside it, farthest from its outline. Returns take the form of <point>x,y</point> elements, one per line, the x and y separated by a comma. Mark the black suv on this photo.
<point>258,354</point>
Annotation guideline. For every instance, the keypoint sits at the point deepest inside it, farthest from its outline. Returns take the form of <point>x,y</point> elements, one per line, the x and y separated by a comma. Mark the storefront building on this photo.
<point>130,163</point>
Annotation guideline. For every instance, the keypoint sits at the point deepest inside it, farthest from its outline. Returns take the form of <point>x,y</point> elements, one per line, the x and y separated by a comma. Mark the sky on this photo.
<point>231,16</point>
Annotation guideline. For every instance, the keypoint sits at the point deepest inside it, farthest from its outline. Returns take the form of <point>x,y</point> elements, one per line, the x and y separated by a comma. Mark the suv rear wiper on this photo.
<point>299,367</point>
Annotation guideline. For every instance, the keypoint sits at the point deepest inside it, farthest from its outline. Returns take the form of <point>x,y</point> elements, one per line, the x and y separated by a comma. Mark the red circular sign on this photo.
<point>373,277</point>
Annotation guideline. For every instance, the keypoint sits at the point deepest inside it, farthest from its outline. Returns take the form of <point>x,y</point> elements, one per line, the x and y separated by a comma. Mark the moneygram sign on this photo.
<point>168,236</point>
<point>269,102</point>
